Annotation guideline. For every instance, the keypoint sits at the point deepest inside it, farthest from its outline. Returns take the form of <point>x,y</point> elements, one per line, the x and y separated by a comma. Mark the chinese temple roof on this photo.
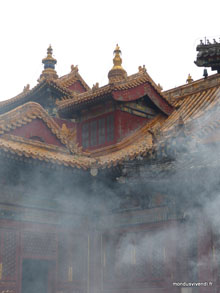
<point>118,82</point>
<point>208,55</point>
<point>100,93</point>
<point>27,148</point>
<point>48,78</point>
<point>185,104</point>
<point>192,100</point>
<point>25,114</point>
<point>28,94</point>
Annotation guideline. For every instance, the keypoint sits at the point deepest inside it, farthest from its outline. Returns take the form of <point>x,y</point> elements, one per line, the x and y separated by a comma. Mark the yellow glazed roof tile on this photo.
<point>23,97</point>
<point>191,105</point>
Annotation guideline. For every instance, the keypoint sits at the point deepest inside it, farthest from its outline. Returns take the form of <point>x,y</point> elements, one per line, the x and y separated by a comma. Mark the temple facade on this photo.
<point>113,188</point>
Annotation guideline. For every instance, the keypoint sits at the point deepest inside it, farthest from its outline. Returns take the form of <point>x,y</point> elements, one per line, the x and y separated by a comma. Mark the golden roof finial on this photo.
<point>117,61</point>
<point>49,62</point>
<point>117,72</point>
<point>49,58</point>
<point>189,79</point>
<point>49,50</point>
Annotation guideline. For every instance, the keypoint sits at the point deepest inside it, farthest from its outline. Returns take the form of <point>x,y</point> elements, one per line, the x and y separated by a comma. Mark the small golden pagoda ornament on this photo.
<point>49,62</point>
<point>117,73</point>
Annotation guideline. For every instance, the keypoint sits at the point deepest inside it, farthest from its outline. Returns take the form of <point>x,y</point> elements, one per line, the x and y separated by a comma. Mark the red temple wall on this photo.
<point>77,87</point>
<point>126,123</point>
<point>37,128</point>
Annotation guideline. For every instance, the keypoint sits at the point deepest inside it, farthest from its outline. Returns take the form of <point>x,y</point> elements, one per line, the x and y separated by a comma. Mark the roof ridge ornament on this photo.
<point>189,78</point>
<point>49,62</point>
<point>70,139</point>
<point>26,88</point>
<point>208,54</point>
<point>117,73</point>
<point>74,69</point>
<point>160,88</point>
<point>142,69</point>
<point>95,86</point>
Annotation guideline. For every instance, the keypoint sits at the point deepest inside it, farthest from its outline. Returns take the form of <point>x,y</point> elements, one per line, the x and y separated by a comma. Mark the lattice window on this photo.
<point>9,255</point>
<point>157,261</point>
<point>79,257</point>
<point>98,132</point>
<point>125,262</point>
<point>94,133</point>
<point>101,130</point>
<point>109,258</point>
<point>187,253</point>
<point>39,244</point>
<point>72,258</point>
<point>150,256</point>
<point>143,257</point>
<point>110,128</point>
<point>124,257</point>
<point>85,135</point>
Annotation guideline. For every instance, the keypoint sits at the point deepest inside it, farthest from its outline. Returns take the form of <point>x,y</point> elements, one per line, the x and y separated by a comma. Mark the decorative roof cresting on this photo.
<point>117,73</point>
<point>49,62</point>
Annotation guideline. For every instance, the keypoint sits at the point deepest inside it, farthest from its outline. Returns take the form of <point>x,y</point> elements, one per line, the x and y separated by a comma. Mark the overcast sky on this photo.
<point>160,34</point>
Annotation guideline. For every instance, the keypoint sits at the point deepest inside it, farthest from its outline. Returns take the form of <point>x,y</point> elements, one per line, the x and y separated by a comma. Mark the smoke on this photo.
<point>187,248</point>
<point>159,224</point>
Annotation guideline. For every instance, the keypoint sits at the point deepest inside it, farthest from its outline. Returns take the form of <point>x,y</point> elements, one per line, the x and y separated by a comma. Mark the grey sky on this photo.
<point>160,34</point>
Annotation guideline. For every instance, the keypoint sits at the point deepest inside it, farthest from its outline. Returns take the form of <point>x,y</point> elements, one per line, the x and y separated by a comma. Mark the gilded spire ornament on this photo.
<point>117,73</point>
<point>49,62</point>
